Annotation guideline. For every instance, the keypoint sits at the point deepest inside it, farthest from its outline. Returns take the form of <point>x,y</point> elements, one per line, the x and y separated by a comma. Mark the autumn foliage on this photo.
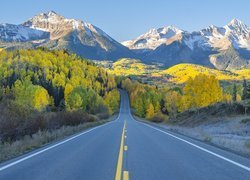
<point>38,82</point>
<point>201,91</point>
<point>150,101</point>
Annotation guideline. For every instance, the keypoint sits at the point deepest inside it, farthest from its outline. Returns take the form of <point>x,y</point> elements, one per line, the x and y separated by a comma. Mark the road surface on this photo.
<point>127,149</point>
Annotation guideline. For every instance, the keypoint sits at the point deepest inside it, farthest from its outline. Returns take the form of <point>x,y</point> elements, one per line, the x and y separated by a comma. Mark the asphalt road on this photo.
<point>127,149</point>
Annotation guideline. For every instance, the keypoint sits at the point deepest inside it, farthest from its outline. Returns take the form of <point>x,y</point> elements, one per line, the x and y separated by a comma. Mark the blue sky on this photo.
<point>127,19</point>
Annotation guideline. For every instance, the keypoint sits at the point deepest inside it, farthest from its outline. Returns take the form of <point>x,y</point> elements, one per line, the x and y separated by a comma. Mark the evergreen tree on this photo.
<point>244,91</point>
<point>248,92</point>
<point>246,95</point>
<point>234,93</point>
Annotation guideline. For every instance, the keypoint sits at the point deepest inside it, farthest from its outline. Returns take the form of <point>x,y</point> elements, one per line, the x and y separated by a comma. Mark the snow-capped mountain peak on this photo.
<point>237,26</point>
<point>236,23</point>
<point>49,14</point>
<point>54,31</point>
<point>59,26</point>
<point>235,33</point>
<point>219,46</point>
<point>52,13</point>
<point>168,31</point>
<point>169,45</point>
<point>48,17</point>
<point>153,38</point>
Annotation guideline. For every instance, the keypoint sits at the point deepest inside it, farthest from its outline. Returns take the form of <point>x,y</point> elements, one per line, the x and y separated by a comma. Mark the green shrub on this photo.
<point>245,121</point>
<point>159,117</point>
<point>247,143</point>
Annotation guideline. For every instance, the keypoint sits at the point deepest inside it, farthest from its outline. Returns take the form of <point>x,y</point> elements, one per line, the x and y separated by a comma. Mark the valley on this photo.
<point>157,74</point>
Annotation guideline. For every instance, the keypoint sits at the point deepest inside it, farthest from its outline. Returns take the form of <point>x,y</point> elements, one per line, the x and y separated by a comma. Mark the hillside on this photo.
<point>61,76</point>
<point>155,74</point>
<point>126,67</point>
<point>182,72</point>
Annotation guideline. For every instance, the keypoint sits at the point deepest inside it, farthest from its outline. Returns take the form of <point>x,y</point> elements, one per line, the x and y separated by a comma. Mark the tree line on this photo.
<point>159,103</point>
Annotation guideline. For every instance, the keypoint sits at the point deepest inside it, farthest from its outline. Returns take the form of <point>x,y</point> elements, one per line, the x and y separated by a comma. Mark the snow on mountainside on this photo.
<point>226,47</point>
<point>236,33</point>
<point>239,33</point>
<point>153,38</point>
<point>59,26</point>
<point>54,31</point>
<point>18,33</point>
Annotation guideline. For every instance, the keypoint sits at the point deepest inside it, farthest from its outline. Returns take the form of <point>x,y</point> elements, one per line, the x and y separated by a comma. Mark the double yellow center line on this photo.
<point>123,148</point>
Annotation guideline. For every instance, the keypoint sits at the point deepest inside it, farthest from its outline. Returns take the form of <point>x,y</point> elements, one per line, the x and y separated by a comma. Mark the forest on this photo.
<point>45,90</point>
<point>163,103</point>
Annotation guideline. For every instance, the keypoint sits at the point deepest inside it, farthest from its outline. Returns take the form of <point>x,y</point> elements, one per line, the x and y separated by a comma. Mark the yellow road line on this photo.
<point>120,157</point>
<point>125,175</point>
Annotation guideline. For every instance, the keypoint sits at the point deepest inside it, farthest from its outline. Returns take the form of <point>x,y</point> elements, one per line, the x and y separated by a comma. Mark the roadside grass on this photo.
<point>247,143</point>
<point>10,150</point>
<point>207,138</point>
<point>245,121</point>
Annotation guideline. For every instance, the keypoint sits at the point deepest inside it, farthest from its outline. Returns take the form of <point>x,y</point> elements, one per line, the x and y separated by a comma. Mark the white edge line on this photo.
<point>201,148</point>
<point>55,145</point>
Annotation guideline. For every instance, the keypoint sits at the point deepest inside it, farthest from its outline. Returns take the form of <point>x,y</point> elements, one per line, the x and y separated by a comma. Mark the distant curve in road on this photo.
<point>127,149</point>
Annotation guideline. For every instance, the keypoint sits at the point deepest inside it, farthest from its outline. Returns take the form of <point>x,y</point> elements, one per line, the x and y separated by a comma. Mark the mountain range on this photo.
<point>54,31</point>
<point>225,48</point>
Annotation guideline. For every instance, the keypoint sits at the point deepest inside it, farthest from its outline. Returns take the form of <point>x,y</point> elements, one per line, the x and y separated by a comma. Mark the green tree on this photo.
<point>139,107</point>
<point>111,100</point>
<point>94,102</point>
<point>77,99</point>
<point>234,93</point>
<point>172,103</point>
<point>33,96</point>
<point>244,90</point>
<point>1,93</point>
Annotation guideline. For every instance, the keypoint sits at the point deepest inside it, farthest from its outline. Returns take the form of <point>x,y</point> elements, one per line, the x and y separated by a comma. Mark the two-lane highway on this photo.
<point>127,149</point>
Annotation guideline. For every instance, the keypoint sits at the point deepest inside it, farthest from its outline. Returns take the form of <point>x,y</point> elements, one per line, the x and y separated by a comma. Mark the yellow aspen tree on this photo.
<point>41,98</point>
<point>150,111</point>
